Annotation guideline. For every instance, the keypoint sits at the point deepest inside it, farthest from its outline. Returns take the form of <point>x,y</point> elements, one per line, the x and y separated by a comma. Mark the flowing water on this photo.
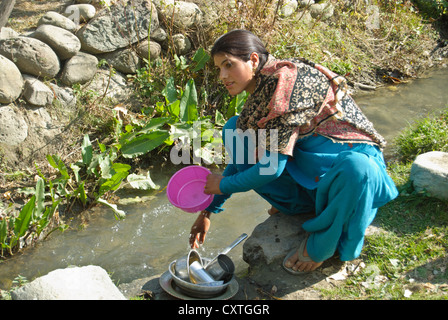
<point>155,233</point>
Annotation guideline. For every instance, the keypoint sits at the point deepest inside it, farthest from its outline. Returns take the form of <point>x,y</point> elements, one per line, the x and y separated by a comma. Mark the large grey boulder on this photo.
<point>75,283</point>
<point>272,240</point>
<point>13,127</point>
<point>63,42</point>
<point>11,81</point>
<point>31,56</point>
<point>58,20</point>
<point>79,69</point>
<point>118,27</point>
<point>429,173</point>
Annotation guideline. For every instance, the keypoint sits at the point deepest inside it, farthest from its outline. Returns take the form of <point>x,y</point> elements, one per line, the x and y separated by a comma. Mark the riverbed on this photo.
<point>155,233</point>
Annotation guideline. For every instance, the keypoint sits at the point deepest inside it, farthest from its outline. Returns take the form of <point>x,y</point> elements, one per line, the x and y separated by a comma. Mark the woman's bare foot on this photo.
<point>297,265</point>
<point>273,211</point>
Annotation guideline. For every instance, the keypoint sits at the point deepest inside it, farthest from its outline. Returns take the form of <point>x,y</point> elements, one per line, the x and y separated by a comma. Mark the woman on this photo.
<point>314,150</point>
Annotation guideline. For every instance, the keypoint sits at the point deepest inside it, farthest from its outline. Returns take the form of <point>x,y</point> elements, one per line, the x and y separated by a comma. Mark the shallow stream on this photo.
<point>155,233</point>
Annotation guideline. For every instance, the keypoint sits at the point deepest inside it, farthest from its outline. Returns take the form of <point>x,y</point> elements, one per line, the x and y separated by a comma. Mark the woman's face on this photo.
<point>236,74</point>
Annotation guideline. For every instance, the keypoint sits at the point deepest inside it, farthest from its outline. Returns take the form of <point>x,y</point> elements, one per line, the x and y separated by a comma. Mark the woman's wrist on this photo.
<point>206,214</point>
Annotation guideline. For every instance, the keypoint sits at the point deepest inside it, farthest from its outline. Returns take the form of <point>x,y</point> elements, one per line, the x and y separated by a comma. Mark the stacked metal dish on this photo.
<point>202,278</point>
<point>202,290</point>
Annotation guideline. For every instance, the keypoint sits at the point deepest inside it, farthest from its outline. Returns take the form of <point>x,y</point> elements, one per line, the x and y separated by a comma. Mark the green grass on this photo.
<point>428,134</point>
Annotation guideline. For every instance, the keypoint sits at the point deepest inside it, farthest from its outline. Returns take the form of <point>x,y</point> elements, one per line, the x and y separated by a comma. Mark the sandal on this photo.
<point>301,257</point>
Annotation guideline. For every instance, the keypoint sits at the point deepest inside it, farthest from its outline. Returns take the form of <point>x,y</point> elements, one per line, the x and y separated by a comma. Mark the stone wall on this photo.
<point>40,68</point>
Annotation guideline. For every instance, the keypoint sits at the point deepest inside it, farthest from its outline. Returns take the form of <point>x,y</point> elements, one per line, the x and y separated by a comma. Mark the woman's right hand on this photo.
<point>199,229</point>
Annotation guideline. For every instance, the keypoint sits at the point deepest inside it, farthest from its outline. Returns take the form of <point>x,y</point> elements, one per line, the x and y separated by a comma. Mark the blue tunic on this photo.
<point>344,184</point>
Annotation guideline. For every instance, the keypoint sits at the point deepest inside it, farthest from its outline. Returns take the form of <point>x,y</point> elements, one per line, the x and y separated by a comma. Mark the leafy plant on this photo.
<point>32,220</point>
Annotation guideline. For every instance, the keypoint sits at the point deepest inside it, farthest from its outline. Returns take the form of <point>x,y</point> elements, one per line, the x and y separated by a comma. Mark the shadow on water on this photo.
<point>154,232</point>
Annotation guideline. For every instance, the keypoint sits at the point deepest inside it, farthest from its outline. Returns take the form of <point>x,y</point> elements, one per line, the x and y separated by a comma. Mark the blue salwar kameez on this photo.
<point>343,183</point>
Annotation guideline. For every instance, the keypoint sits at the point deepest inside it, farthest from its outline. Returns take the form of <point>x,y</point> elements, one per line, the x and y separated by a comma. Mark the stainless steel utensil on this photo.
<point>181,264</point>
<point>202,291</point>
<point>227,249</point>
<point>221,269</point>
<point>198,275</point>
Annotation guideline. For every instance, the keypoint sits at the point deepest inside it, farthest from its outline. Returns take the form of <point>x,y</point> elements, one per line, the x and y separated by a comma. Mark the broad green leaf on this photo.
<point>153,124</point>
<point>121,167</point>
<point>52,161</point>
<point>236,105</point>
<point>106,167</point>
<point>119,214</point>
<point>219,119</point>
<point>22,222</point>
<point>170,92</point>
<point>141,182</point>
<point>57,163</point>
<point>174,108</point>
<point>144,144</point>
<point>40,198</point>
<point>189,103</point>
<point>201,58</point>
<point>87,150</point>
<point>46,217</point>
<point>113,183</point>
<point>3,232</point>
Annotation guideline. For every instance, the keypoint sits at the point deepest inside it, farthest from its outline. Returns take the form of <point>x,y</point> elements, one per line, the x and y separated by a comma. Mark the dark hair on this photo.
<point>241,43</point>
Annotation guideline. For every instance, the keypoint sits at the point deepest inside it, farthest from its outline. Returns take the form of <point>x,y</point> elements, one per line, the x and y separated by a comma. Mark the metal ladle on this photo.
<point>227,249</point>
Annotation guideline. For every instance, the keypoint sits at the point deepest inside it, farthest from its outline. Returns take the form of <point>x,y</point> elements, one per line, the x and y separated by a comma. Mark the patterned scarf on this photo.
<point>297,98</point>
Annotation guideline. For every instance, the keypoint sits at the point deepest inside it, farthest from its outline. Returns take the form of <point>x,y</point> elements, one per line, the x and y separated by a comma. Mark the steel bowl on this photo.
<point>182,264</point>
<point>201,291</point>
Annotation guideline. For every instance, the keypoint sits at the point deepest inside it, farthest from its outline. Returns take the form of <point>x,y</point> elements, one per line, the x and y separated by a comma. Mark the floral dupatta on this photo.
<point>297,98</point>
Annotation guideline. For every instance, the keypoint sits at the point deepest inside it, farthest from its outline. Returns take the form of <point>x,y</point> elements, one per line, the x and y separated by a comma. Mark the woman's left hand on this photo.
<point>212,185</point>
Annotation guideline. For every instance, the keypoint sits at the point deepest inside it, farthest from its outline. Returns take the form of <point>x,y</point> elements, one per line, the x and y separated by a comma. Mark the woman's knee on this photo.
<point>355,166</point>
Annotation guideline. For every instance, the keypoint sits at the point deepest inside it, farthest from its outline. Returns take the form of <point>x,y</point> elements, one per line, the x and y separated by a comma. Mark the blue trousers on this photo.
<point>352,186</point>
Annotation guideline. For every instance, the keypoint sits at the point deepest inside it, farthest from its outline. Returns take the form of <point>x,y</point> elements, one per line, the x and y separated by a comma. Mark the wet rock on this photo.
<point>11,81</point>
<point>31,56</point>
<point>75,283</point>
<point>118,27</point>
<point>429,173</point>
<point>79,69</point>
<point>58,20</point>
<point>63,42</point>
